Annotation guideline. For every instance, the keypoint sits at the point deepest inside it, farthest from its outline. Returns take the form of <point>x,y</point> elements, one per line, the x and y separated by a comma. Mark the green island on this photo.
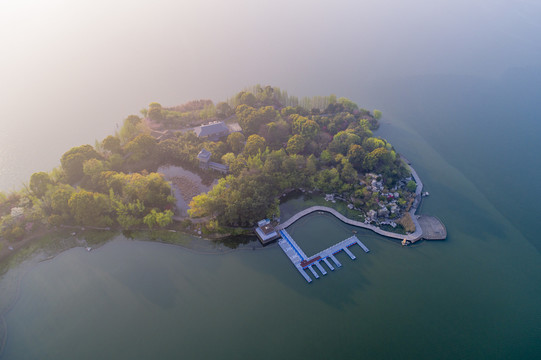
<point>217,169</point>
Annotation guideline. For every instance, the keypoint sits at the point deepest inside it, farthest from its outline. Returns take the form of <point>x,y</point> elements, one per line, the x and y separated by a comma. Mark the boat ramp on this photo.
<point>303,262</point>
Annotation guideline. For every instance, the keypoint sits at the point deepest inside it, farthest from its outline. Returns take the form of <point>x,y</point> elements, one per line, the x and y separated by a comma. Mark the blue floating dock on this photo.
<point>313,272</point>
<point>297,256</point>
<point>328,264</point>
<point>321,269</point>
<point>293,244</point>
<point>304,274</point>
<point>362,246</point>
<point>335,260</point>
<point>346,250</point>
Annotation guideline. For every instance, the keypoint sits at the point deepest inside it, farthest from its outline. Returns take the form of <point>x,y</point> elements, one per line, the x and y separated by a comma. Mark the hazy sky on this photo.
<point>70,70</point>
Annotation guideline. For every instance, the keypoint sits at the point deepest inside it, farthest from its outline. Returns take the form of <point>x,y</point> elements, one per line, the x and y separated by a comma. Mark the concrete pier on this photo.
<point>328,264</point>
<point>362,246</point>
<point>321,269</point>
<point>313,272</point>
<point>335,260</point>
<point>346,250</point>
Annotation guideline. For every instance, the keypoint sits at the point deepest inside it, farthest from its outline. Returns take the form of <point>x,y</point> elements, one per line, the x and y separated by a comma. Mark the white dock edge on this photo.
<point>335,260</point>
<point>346,250</point>
<point>362,246</point>
<point>328,264</point>
<point>313,271</point>
<point>321,269</point>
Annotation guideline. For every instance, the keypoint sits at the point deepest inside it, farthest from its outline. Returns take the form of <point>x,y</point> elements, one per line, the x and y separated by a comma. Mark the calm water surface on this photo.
<point>473,296</point>
<point>70,71</point>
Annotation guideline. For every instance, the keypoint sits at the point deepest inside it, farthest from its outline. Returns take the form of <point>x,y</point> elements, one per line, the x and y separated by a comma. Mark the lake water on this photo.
<point>475,295</point>
<point>71,71</point>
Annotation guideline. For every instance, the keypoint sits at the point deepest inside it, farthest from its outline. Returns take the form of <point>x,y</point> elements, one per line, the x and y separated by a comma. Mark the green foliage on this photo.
<point>372,143</point>
<point>379,160</point>
<point>276,133</point>
<point>235,141</point>
<point>321,142</point>
<point>411,186</point>
<point>377,114</point>
<point>91,209</point>
<point>162,219</point>
<point>349,105</point>
<point>39,182</point>
<point>296,144</point>
<point>342,141</point>
<point>142,147</point>
<point>112,144</point>
<point>251,119</point>
<point>155,112</point>
<point>132,126</point>
<point>72,161</point>
<point>303,126</point>
<point>254,145</point>
<point>246,98</point>
<point>223,110</point>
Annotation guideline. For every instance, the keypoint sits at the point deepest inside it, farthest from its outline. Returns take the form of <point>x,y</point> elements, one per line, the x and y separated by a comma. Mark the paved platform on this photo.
<point>433,228</point>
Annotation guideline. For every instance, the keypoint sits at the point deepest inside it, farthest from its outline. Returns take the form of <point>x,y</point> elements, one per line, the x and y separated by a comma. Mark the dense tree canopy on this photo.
<point>323,143</point>
<point>72,161</point>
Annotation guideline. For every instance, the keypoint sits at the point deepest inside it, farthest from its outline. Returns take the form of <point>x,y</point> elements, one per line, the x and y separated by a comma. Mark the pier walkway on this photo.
<point>412,237</point>
<point>302,262</point>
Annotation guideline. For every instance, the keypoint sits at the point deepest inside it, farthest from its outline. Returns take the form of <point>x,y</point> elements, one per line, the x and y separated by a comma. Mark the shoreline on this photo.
<point>430,222</point>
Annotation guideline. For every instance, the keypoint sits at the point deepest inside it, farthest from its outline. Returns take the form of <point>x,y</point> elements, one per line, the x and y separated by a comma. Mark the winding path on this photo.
<point>413,237</point>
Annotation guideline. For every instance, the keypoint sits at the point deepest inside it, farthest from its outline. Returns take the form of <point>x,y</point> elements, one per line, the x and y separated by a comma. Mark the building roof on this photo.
<point>218,166</point>
<point>212,129</point>
<point>204,155</point>
<point>266,232</point>
<point>266,237</point>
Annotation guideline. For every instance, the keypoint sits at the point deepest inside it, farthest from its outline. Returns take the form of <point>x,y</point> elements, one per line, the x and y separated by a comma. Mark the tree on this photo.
<point>356,156</point>
<point>254,145</point>
<point>296,144</point>
<point>342,141</point>
<point>305,127</point>
<point>276,133</point>
<point>372,143</point>
<point>348,173</point>
<point>411,186</point>
<point>349,105</point>
<point>328,180</point>
<point>246,98</point>
<point>39,182</point>
<point>112,144</point>
<point>142,147</point>
<point>128,215</point>
<point>223,110</point>
<point>150,219</point>
<point>132,126</point>
<point>251,119</point>
<point>377,114</point>
<point>94,167</point>
<point>236,142</point>
<point>228,159</point>
<point>155,112</point>
<point>162,219</point>
<point>90,208</point>
<point>72,161</point>
<point>377,159</point>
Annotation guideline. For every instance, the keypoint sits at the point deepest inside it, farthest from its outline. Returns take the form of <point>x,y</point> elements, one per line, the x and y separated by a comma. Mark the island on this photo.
<point>218,169</point>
